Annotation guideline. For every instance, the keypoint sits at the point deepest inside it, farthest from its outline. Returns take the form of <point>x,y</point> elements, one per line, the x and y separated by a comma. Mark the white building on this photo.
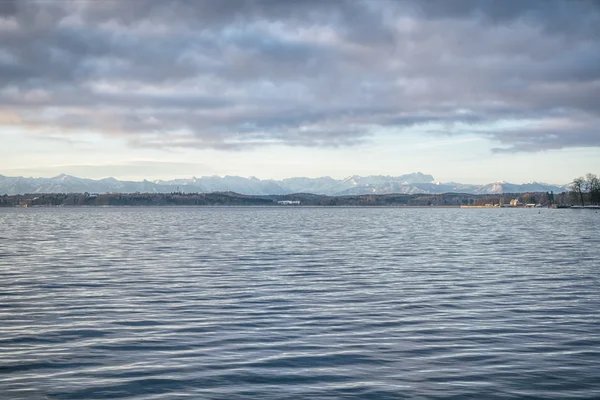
<point>289,202</point>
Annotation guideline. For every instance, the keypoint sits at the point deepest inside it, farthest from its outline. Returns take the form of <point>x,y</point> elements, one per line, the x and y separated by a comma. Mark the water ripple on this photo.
<point>278,303</point>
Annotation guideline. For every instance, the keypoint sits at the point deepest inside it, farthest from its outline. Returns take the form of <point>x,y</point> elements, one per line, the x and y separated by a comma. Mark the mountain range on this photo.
<point>413,183</point>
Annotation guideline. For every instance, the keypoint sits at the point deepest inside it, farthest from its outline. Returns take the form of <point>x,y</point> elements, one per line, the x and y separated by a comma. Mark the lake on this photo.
<point>299,303</point>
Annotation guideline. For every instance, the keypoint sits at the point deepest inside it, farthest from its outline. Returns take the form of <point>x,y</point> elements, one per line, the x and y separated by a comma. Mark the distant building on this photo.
<point>24,203</point>
<point>515,203</point>
<point>289,202</point>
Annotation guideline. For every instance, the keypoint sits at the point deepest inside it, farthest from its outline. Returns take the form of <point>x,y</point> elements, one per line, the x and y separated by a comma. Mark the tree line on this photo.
<point>586,188</point>
<point>306,199</point>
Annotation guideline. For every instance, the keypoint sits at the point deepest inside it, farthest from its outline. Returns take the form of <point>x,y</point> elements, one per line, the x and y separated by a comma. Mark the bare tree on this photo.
<point>578,187</point>
<point>592,185</point>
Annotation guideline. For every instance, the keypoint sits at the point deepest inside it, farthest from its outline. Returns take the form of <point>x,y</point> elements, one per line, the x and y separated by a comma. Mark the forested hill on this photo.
<point>235,199</point>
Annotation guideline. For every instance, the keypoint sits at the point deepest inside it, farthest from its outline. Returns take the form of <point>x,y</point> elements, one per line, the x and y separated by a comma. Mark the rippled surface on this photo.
<point>274,303</point>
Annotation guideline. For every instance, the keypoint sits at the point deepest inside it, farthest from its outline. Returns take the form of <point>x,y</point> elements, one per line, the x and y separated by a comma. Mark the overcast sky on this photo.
<point>468,91</point>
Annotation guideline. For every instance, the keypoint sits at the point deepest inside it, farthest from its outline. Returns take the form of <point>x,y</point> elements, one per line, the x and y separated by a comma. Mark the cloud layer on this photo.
<point>236,74</point>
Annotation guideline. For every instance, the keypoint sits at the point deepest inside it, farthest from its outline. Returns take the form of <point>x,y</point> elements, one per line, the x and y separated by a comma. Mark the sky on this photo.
<point>468,91</point>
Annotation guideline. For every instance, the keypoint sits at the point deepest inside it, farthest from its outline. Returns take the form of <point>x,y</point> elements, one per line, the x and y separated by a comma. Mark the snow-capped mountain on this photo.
<point>354,185</point>
<point>505,187</point>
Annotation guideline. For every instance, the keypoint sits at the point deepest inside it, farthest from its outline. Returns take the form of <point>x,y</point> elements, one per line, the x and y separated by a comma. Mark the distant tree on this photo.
<point>528,198</point>
<point>578,188</point>
<point>592,185</point>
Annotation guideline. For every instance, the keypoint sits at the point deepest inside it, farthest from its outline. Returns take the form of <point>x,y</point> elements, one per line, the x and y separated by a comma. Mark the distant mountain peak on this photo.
<point>416,182</point>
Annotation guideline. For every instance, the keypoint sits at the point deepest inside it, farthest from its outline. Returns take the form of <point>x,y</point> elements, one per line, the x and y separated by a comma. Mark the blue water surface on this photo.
<point>299,303</point>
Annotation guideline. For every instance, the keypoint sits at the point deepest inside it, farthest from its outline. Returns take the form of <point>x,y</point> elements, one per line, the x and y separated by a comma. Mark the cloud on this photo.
<point>553,133</point>
<point>237,74</point>
<point>138,169</point>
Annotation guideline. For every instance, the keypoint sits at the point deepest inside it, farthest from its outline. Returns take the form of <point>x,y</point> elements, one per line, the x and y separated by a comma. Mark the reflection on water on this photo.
<point>275,303</point>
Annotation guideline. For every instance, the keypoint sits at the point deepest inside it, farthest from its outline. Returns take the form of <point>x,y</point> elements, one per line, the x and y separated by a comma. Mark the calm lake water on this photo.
<point>299,303</point>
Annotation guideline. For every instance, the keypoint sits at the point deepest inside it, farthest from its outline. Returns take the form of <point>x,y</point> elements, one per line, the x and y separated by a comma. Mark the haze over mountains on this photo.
<point>413,183</point>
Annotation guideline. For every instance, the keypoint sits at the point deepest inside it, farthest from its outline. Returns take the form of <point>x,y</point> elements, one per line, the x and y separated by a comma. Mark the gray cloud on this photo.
<point>527,140</point>
<point>139,168</point>
<point>8,8</point>
<point>237,74</point>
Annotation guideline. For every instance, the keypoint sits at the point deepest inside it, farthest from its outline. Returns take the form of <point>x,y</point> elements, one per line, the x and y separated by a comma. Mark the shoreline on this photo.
<point>223,206</point>
<point>229,199</point>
